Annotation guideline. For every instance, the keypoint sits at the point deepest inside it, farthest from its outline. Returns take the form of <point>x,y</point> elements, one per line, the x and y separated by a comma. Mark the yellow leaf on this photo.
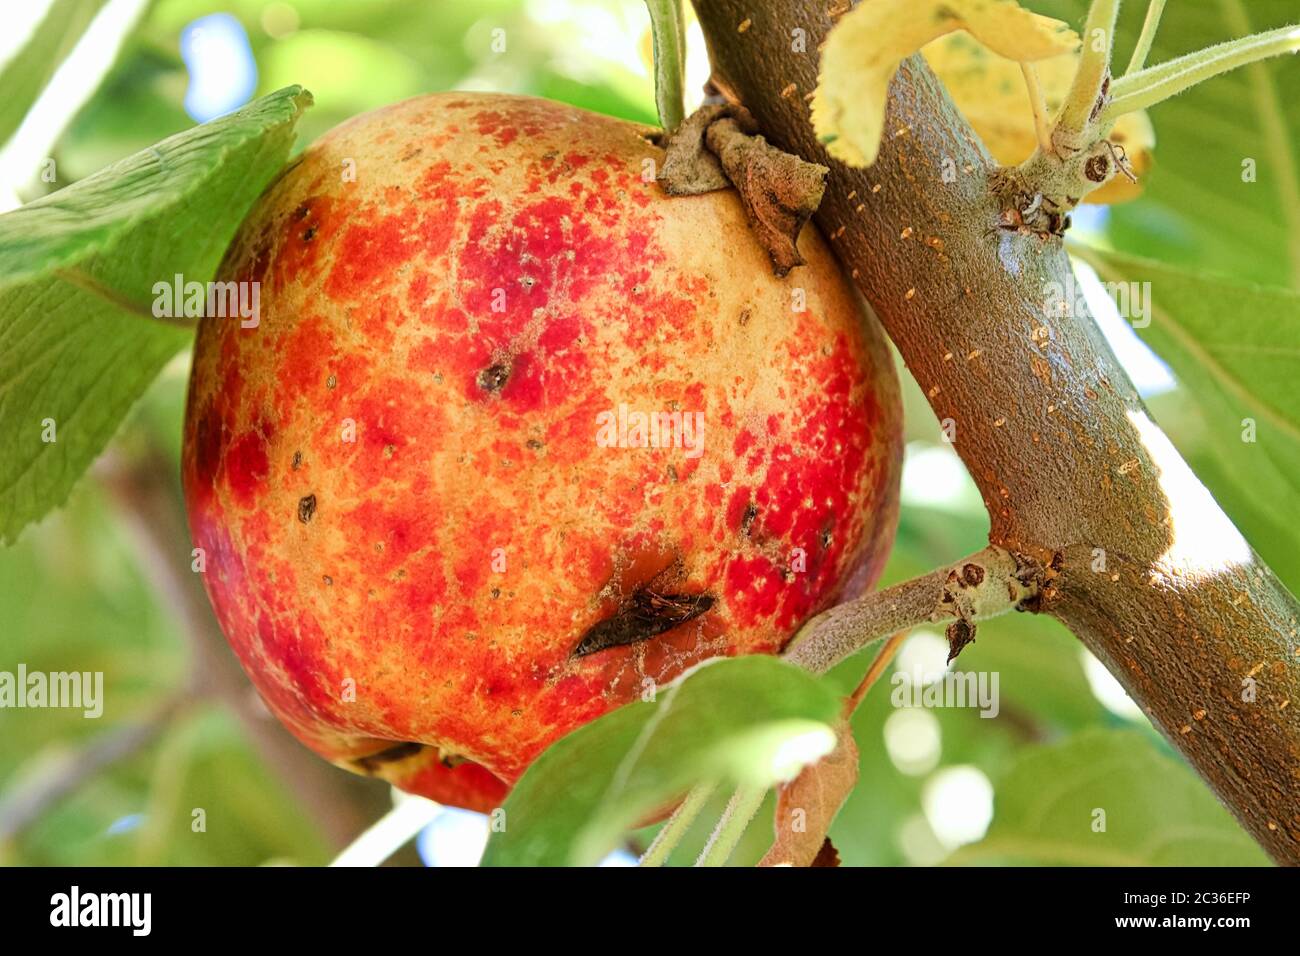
<point>864,50</point>
<point>990,92</point>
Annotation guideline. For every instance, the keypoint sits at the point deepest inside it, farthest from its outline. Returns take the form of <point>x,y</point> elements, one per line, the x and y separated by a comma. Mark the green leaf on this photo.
<point>1041,690</point>
<point>668,34</point>
<point>1157,812</point>
<point>738,720</point>
<point>1040,671</point>
<point>1201,212</point>
<point>878,824</point>
<point>1197,209</point>
<point>24,73</point>
<point>78,343</point>
<point>1235,349</point>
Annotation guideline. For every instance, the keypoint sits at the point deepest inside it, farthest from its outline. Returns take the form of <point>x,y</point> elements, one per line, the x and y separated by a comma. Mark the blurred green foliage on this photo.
<point>362,54</point>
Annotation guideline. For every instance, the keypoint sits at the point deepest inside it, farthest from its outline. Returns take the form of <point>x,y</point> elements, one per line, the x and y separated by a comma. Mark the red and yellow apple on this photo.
<point>433,531</point>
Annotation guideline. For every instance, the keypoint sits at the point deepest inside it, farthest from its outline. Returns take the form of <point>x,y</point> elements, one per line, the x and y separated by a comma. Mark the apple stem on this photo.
<point>874,671</point>
<point>671,834</point>
<point>985,584</point>
<point>668,38</point>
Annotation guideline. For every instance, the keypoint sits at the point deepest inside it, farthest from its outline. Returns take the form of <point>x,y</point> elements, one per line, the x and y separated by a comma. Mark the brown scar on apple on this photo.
<point>645,615</point>
<point>371,763</point>
<point>494,377</point>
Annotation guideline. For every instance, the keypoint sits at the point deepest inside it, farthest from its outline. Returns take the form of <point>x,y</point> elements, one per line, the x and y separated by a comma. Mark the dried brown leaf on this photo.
<point>807,805</point>
<point>717,147</point>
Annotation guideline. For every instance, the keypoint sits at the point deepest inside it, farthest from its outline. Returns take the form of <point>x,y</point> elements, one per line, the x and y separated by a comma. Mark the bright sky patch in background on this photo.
<point>223,74</point>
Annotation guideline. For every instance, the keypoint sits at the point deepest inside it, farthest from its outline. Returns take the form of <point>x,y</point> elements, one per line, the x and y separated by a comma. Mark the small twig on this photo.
<point>985,584</point>
<point>67,771</point>
<point>1080,105</point>
<point>1038,102</point>
<point>874,671</point>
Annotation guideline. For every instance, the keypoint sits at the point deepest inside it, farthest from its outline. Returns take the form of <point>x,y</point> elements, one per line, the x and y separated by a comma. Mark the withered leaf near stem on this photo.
<point>827,855</point>
<point>806,807</point>
<point>717,147</point>
<point>780,192</point>
<point>689,168</point>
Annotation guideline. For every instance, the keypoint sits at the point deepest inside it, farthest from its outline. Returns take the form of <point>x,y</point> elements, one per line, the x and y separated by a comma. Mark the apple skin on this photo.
<point>407,522</point>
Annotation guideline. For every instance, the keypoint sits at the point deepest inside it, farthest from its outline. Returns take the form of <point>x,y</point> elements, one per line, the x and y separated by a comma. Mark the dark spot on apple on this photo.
<point>644,615</point>
<point>297,460</point>
<point>494,377</point>
<point>306,508</point>
<point>747,521</point>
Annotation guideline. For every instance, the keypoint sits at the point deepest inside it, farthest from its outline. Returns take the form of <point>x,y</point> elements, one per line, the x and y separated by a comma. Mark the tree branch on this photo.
<point>1133,554</point>
<point>983,585</point>
<point>62,772</point>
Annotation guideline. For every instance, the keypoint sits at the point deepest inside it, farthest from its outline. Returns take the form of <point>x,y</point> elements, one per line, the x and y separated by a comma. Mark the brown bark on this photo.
<point>1047,422</point>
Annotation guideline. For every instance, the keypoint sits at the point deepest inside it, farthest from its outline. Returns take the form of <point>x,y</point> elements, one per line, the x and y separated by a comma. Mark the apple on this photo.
<point>516,438</point>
